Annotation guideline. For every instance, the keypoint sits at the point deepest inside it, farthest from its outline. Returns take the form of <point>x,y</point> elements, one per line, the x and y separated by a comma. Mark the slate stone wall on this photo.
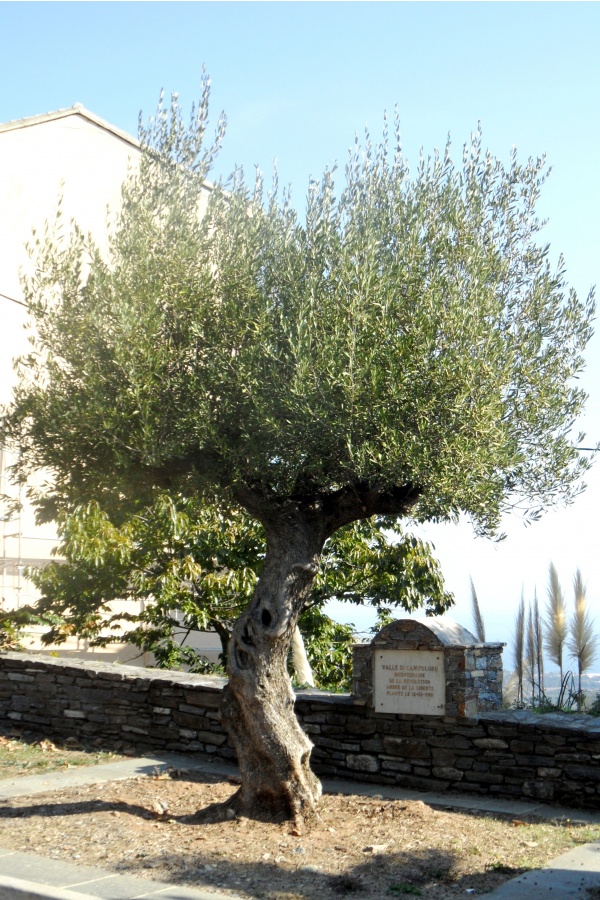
<point>552,758</point>
<point>146,708</point>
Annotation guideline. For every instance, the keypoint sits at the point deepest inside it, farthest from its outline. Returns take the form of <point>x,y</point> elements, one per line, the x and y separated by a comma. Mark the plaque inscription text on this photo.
<point>410,681</point>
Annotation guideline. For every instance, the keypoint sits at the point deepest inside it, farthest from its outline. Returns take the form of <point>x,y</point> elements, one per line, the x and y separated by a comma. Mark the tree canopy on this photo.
<point>409,332</point>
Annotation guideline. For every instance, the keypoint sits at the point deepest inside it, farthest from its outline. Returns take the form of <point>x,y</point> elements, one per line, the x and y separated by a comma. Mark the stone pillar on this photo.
<point>428,667</point>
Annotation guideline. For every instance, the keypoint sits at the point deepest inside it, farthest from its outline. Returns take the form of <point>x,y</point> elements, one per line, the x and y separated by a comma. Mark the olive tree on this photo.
<point>403,348</point>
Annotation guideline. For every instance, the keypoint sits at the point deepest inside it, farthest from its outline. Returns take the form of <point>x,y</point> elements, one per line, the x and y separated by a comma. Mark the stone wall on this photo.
<point>554,758</point>
<point>147,708</point>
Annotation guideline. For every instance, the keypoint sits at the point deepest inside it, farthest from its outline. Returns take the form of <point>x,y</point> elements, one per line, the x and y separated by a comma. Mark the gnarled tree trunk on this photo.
<point>258,703</point>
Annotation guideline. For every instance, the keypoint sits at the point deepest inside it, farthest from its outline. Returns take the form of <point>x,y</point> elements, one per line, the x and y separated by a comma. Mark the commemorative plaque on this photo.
<point>410,682</point>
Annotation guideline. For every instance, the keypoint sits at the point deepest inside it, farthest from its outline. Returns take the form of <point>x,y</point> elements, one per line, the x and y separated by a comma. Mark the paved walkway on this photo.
<point>25,876</point>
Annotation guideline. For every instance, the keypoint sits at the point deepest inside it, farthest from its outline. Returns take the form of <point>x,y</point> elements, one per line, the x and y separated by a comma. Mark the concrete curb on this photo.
<point>17,889</point>
<point>114,771</point>
<point>569,875</point>
<point>26,876</point>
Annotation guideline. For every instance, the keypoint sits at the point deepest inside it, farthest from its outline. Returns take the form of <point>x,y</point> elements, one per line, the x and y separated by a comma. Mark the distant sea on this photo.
<point>590,684</point>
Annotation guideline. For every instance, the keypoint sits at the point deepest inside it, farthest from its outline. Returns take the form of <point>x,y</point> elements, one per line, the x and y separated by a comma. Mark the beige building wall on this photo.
<point>75,155</point>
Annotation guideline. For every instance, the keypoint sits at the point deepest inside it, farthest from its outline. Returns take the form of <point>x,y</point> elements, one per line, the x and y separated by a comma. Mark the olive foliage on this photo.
<point>409,329</point>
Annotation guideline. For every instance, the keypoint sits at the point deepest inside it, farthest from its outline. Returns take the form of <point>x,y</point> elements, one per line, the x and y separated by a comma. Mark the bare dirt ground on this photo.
<point>367,847</point>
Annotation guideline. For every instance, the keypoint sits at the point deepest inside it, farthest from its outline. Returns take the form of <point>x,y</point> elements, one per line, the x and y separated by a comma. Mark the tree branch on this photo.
<point>331,510</point>
<point>362,501</point>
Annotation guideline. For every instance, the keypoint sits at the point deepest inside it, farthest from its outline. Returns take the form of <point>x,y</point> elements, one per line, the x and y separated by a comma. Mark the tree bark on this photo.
<point>258,703</point>
<point>257,708</point>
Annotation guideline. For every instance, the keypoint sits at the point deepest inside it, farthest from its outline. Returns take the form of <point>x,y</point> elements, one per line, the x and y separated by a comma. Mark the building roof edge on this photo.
<point>76,110</point>
<point>79,110</point>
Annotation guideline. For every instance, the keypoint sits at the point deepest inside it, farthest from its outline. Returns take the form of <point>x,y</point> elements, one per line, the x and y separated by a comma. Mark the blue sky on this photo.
<point>297,80</point>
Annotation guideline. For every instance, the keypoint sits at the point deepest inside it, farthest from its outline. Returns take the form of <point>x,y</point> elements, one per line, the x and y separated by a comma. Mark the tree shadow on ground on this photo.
<point>50,810</point>
<point>426,873</point>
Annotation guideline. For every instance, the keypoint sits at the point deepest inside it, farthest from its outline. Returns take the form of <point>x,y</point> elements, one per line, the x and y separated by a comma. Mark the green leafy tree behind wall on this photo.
<point>183,568</point>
